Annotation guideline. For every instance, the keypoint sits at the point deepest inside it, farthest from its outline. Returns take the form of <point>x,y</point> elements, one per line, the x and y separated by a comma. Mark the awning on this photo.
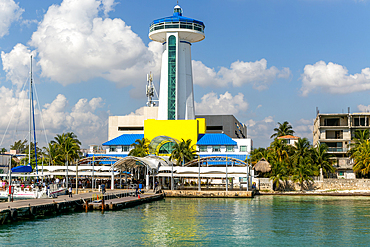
<point>22,169</point>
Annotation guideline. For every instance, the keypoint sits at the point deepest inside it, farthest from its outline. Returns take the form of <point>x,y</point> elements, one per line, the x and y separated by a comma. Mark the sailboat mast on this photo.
<point>32,117</point>
<point>30,120</point>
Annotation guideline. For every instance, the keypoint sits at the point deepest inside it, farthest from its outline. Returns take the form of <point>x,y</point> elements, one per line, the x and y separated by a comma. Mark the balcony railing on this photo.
<point>337,150</point>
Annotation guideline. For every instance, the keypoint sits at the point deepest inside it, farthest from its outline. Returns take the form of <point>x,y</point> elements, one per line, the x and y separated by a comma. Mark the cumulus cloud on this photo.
<point>260,131</point>
<point>225,103</point>
<point>9,12</point>
<point>239,73</point>
<point>75,44</point>
<point>333,78</point>
<point>303,128</point>
<point>84,119</point>
<point>363,108</point>
<point>16,64</point>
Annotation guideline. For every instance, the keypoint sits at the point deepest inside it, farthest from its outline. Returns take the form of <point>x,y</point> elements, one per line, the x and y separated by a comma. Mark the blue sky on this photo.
<point>263,61</point>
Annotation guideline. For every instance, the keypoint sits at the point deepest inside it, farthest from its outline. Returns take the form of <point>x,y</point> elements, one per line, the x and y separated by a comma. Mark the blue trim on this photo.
<point>183,41</point>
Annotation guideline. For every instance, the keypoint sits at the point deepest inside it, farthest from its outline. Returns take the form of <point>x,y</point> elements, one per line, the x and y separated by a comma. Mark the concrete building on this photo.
<point>290,140</point>
<point>226,124</point>
<point>337,131</point>
<point>130,124</point>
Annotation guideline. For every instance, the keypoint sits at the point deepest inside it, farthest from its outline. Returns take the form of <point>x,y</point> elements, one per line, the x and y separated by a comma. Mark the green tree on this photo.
<point>361,158</point>
<point>67,146</point>
<point>301,150</point>
<point>183,152</point>
<point>20,146</point>
<point>3,150</point>
<point>279,173</point>
<point>321,159</point>
<point>283,129</point>
<point>140,148</point>
<point>303,171</point>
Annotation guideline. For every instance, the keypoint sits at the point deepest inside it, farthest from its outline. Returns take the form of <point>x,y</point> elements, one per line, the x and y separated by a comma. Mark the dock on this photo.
<point>112,200</point>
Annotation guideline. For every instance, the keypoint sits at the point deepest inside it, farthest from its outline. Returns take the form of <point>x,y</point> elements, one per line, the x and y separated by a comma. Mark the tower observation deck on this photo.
<point>176,33</point>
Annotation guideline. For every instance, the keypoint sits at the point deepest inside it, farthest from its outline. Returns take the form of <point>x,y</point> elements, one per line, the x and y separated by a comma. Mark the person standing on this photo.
<point>70,191</point>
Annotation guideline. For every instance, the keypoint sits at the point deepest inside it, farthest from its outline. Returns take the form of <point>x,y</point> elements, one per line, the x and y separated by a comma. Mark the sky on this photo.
<point>262,61</point>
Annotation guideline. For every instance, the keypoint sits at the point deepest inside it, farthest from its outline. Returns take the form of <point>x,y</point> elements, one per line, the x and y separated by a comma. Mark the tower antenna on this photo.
<point>150,90</point>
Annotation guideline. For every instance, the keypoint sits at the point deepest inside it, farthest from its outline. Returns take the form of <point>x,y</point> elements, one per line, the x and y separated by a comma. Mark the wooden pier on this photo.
<point>33,208</point>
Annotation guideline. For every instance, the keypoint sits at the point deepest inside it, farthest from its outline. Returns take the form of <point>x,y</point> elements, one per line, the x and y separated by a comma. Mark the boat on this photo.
<point>20,193</point>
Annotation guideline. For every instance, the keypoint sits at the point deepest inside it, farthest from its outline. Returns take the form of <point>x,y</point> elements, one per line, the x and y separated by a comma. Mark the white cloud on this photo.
<point>303,128</point>
<point>222,104</point>
<point>260,131</point>
<point>363,108</point>
<point>75,44</point>
<point>240,73</point>
<point>84,119</point>
<point>9,12</point>
<point>333,78</point>
<point>16,64</point>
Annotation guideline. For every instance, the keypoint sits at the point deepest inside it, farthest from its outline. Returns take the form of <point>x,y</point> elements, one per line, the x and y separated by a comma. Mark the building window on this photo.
<point>125,148</point>
<point>229,148</point>
<point>171,78</point>
<point>202,148</point>
<point>243,148</point>
<point>112,148</point>
<point>287,141</point>
<point>216,149</point>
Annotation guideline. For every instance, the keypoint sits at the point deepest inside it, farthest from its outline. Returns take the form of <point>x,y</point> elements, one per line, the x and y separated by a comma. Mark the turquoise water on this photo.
<point>261,221</point>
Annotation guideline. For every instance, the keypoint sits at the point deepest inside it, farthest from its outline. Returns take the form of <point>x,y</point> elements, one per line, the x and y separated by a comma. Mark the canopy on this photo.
<point>22,169</point>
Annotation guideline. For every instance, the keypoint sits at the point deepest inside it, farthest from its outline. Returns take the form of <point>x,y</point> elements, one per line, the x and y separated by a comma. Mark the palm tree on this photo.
<point>3,150</point>
<point>279,173</point>
<point>303,171</point>
<point>19,146</point>
<point>259,153</point>
<point>361,158</point>
<point>321,159</point>
<point>279,150</point>
<point>51,153</point>
<point>67,146</point>
<point>283,129</point>
<point>183,152</point>
<point>140,148</point>
<point>301,150</point>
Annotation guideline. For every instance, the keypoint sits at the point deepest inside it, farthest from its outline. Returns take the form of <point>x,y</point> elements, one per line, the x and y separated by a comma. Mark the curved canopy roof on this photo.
<point>158,141</point>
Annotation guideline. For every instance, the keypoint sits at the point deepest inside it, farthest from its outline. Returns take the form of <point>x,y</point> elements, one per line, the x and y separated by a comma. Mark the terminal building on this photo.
<point>174,119</point>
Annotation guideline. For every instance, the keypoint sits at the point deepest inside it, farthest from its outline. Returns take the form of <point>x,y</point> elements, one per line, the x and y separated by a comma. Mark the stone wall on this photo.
<point>343,184</point>
<point>207,194</point>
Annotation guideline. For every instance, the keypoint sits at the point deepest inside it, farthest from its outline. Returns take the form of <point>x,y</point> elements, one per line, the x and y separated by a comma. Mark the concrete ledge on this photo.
<point>208,194</point>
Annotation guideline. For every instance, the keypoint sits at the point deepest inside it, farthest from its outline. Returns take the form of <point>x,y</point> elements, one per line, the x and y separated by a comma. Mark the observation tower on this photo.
<point>176,33</point>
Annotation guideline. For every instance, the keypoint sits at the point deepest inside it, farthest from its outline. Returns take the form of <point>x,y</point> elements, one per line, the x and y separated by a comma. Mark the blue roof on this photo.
<point>124,140</point>
<point>177,17</point>
<point>215,140</point>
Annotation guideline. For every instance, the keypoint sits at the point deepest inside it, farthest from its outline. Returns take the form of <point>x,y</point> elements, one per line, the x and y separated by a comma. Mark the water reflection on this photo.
<point>262,221</point>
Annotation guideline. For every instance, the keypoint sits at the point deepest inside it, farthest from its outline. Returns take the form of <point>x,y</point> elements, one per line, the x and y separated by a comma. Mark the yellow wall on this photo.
<point>177,129</point>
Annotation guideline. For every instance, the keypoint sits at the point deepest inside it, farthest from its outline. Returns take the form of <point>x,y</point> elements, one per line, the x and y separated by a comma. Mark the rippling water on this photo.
<point>262,221</point>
